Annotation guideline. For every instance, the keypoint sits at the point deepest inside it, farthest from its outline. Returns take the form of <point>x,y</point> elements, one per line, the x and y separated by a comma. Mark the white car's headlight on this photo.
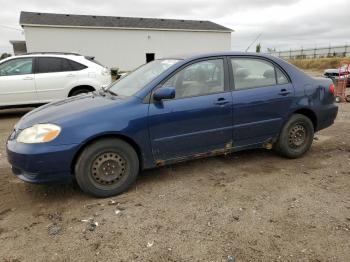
<point>40,133</point>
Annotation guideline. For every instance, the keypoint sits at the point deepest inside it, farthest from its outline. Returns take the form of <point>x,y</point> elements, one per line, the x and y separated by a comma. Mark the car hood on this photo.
<point>69,109</point>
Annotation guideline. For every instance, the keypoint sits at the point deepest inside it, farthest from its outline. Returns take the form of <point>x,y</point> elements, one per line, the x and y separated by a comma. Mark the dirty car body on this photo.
<point>244,101</point>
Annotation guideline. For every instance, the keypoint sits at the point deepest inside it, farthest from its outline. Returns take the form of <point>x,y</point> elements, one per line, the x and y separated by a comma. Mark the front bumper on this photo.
<point>41,163</point>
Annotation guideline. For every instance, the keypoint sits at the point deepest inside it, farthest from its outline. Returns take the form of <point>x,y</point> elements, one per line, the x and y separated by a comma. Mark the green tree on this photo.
<point>258,48</point>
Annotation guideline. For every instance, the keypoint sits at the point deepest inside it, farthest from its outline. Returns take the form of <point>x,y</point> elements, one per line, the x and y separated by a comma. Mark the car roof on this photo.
<point>48,54</point>
<point>43,54</point>
<point>193,56</point>
<point>76,57</point>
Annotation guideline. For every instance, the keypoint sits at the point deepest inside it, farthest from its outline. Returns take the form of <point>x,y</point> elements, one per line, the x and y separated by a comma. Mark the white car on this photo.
<point>39,78</point>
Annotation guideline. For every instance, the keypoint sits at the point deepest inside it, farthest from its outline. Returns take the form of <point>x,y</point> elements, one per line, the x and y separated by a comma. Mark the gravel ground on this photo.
<point>248,206</point>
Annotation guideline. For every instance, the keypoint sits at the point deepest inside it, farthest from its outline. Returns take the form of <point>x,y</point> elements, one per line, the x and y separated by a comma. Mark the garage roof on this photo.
<point>70,20</point>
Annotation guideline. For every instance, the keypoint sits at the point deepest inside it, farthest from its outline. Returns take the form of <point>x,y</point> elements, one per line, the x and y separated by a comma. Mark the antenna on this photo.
<point>253,42</point>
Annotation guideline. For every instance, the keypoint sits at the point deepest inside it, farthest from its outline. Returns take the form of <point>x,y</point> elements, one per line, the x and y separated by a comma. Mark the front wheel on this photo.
<point>296,136</point>
<point>107,167</point>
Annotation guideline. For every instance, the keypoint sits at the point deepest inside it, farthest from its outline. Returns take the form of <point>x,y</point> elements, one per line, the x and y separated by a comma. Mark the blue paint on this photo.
<point>170,130</point>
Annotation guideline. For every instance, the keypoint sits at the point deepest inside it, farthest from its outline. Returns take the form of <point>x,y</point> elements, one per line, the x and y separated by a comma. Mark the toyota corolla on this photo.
<point>171,110</point>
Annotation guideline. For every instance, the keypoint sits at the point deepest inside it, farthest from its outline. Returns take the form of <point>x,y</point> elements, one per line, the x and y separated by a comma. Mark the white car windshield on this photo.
<point>135,81</point>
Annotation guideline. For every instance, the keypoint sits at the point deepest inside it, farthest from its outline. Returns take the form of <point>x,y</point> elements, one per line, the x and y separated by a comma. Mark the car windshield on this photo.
<point>135,81</point>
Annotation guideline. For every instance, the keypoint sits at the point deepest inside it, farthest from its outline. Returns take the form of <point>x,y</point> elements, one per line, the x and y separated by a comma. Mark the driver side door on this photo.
<point>17,82</point>
<point>198,121</point>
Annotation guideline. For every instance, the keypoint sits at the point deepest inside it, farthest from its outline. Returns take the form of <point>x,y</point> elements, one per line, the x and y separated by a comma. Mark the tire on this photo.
<point>347,98</point>
<point>79,91</point>
<point>107,167</point>
<point>337,99</point>
<point>296,137</point>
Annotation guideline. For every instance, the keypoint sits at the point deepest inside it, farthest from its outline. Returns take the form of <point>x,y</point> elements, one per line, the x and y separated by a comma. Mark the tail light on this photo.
<point>332,89</point>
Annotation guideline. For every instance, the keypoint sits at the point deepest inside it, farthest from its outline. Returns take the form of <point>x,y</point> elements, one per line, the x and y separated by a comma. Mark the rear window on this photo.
<point>49,65</point>
<point>57,64</point>
<point>254,73</point>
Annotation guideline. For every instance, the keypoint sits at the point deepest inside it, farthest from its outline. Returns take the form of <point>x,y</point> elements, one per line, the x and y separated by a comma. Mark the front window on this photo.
<point>135,81</point>
<point>20,66</point>
<point>201,78</point>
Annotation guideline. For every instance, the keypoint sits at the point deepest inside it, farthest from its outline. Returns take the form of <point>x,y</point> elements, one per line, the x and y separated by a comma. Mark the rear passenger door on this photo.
<point>262,95</point>
<point>54,77</point>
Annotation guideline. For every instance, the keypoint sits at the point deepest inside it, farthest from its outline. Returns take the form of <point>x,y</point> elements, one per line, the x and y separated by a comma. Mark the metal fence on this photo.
<point>320,52</point>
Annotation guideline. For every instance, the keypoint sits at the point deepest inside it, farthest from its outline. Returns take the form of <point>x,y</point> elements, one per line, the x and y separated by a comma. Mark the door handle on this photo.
<point>28,78</point>
<point>221,101</point>
<point>70,75</point>
<point>284,92</point>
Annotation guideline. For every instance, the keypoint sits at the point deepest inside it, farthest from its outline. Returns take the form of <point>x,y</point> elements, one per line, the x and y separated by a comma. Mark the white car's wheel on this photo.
<point>79,91</point>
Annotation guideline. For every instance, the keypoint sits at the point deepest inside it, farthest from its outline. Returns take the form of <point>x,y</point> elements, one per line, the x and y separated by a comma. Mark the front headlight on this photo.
<point>40,133</point>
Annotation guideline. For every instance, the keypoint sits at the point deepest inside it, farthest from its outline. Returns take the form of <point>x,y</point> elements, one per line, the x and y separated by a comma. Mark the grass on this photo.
<point>319,64</point>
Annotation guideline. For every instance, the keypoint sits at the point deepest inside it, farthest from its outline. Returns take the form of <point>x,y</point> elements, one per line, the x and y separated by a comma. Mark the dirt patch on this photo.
<point>249,206</point>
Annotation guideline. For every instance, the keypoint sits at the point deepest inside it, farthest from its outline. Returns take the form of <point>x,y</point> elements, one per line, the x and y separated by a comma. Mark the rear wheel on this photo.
<point>79,91</point>
<point>107,167</point>
<point>296,136</point>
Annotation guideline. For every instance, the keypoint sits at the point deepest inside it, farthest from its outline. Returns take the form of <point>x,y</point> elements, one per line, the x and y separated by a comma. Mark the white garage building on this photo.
<point>124,42</point>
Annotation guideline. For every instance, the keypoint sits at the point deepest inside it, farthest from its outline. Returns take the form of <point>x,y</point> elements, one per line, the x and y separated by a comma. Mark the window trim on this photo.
<point>275,65</point>
<point>18,58</point>
<point>149,97</point>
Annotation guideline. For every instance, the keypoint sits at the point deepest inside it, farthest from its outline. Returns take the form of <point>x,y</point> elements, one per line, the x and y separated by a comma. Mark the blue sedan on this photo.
<point>171,110</point>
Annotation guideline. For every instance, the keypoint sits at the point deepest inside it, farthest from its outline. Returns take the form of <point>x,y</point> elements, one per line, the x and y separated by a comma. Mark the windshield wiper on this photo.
<point>111,92</point>
<point>104,90</point>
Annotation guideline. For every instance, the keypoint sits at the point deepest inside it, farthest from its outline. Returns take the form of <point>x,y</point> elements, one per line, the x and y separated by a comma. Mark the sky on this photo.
<point>281,24</point>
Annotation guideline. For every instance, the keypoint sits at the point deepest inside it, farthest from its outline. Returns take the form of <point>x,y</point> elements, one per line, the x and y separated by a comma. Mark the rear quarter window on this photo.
<point>281,77</point>
<point>74,66</point>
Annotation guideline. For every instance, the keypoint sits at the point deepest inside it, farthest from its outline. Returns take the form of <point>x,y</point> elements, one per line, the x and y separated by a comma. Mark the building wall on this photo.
<point>125,49</point>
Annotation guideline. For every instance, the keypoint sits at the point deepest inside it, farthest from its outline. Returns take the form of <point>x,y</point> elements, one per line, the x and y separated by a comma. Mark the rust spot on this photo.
<point>160,163</point>
<point>222,151</point>
<point>229,145</point>
<point>268,144</point>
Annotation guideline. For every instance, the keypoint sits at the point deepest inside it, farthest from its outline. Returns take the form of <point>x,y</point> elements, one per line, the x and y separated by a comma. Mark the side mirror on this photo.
<point>164,93</point>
